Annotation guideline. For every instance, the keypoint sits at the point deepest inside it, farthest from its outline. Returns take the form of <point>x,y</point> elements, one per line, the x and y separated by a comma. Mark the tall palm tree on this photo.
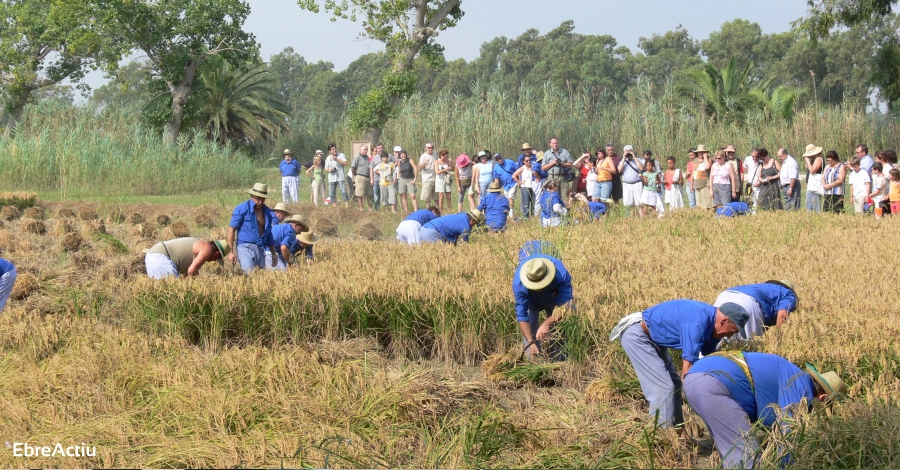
<point>240,104</point>
<point>779,101</point>
<point>725,94</point>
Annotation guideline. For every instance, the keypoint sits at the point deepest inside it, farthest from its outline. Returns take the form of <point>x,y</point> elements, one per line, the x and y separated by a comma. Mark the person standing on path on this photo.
<point>541,284</point>
<point>334,166</point>
<point>769,182</point>
<point>374,178</point>
<point>290,177</point>
<point>632,186</point>
<point>406,189</point>
<point>251,225</point>
<point>8,277</point>
<point>833,182</point>
<point>427,170</point>
<point>694,328</point>
<point>316,173</point>
<point>790,180</point>
<point>463,171</point>
<point>361,176</point>
<point>731,391</point>
<point>815,166</point>
<point>723,188</point>
<point>731,159</point>
<point>700,174</point>
<point>483,173</point>
<point>524,177</point>
<point>557,162</point>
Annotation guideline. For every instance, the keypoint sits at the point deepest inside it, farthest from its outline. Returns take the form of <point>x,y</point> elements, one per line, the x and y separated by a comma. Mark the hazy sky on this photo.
<point>281,23</point>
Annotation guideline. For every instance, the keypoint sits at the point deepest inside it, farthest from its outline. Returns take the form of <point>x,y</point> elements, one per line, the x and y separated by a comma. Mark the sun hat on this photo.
<point>319,152</point>
<point>831,382</point>
<point>701,149</point>
<point>526,146</point>
<point>735,313</point>
<point>462,160</point>
<point>812,150</point>
<point>495,187</point>
<point>398,148</point>
<point>627,148</point>
<point>484,153</point>
<point>730,148</point>
<point>308,238</point>
<point>298,219</point>
<point>540,156</point>
<point>287,152</point>
<point>782,282</point>
<point>281,207</point>
<point>477,215</point>
<point>537,273</point>
<point>222,246</point>
<point>259,190</point>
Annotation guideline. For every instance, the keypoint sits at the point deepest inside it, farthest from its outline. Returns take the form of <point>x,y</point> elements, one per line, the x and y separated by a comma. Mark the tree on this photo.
<point>239,104</point>
<point>779,101</point>
<point>826,15</point>
<point>407,28</point>
<point>725,94</point>
<point>128,85</point>
<point>42,43</point>
<point>177,36</point>
<point>667,55</point>
<point>295,78</point>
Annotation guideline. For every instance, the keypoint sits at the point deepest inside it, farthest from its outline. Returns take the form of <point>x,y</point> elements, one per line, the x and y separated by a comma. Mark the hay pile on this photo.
<point>368,231</point>
<point>218,233</point>
<point>206,215</point>
<point>36,227</point>
<point>135,218</point>
<point>87,262</point>
<point>20,199</point>
<point>124,269</point>
<point>143,231</point>
<point>65,214</point>
<point>35,213</point>
<point>93,226</point>
<point>87,213</point>
<point>334,352</point>
<point>117,217</point>
<point>25,285</point>
<point>204,220</point>
<point>176,230</point>
<point>9,213</point>
<point>2,224</point>
<point>9,243</point>
<point>326,227</point>
<point>163,220</point>
<point>63,226</point>
<point>72,242</point>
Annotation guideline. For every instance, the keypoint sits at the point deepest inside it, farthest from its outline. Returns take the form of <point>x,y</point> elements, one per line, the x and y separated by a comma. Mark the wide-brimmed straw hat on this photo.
<point>495,188</point>
<point>477,215</point>
<point>701,149</point>
<point>280,207</point>
<point>298,219</point>
<point>831,382</point>
<point>812,150</point>
<point>540,156</point>
<point>462,160</point>
<point>287,152</point>
<point>537,273</point>
<point>308,238</point>
<point>526,146</point>
<point>782,282</point>
<point>259,190</point>
<point>222,246</point>
<point>730,148</point>
<point>319,152</point>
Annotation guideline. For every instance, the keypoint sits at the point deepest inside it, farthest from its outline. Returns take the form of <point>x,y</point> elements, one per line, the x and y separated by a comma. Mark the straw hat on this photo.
<point>477,215</point>
<point>298,219</point>
<point>730,148</point>
<point>462,160</point>
<point>222,246</point>
<point>484,153</point>
<point>259,190</point>
<point>526,146</point>
<point>319,152</point>
<point>830,381</point>
<point>783,283</point>
<point>287,152</point>
<point>398,148</point>
<point>701,149</point>
<point>307,238</point>
<point>812,150</point>
<point>537,273</point>
<point>540,155</point>
<point>495,187</point>
<point>280,207</point>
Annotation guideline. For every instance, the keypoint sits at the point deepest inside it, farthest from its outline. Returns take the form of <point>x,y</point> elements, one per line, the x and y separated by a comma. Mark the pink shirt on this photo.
<point>720,174</point>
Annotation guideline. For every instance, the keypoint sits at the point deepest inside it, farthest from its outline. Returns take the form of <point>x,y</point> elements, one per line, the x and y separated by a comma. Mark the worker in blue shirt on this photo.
<point>408,230</point>
<point>538,247</point>
<point>503,172</point>
<point>731,391</point>
<point>8,276</point>
<point>526,150</point>
<point>769,304</point>
<point>290,177</point>
<point>285,238</point>
<point>251,223</point>
<point>495,208</point>
<point>305,242</point>
<point>450,228</point>
<point>541,284</point>
<point>692,327</point>
<point>733,209</point>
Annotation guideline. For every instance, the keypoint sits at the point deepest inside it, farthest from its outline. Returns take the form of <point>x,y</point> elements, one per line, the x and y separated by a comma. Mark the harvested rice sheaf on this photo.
<point>143,231</point>
<point>65,214</point>
<point>93,226</point>
<point>163,220</point>
<point>218,233</point>
<point>326,227</point>
<point>72,241</point>
<point>2,224</point>
<point>25,285</point>
<point>133,266</point>
<point>135,218</point>
<point>87,213</point>
<point>63,226</point>
<point>9,213</point>
<point>35,213</point>
<point>36,227</point>
<point>117,217</point>
<point>368,231</point>
<point>204,220</point>
<point>180,229</point>
<point>20,199</point>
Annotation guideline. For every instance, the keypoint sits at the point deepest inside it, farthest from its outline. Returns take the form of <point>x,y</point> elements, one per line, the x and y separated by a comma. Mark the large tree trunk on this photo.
<point>180,94</point>
<point>15,113</point>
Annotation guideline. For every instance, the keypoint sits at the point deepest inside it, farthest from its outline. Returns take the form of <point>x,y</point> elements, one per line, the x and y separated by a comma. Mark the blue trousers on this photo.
<point>660,382</point>
<point>251,256</point>
<point>7,281</point>
<point>527,202</point>
<point>813,202</point>
<point>430,235</point>
<point>376,194</point>
<point>727,421</point>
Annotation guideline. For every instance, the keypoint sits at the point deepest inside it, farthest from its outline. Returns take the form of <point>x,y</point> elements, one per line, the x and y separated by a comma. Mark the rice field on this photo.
<point>385,355</point>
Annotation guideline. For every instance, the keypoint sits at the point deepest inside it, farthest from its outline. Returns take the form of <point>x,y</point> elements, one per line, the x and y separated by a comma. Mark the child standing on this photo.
<point>650,195</point>
<point>385,171</point>
<point>673,181</point>
<point>894,194</point>
<point>879,188</point>
<point>860,185</point>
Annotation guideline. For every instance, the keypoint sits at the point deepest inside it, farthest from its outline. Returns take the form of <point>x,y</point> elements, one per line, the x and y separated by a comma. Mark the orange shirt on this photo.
<point>604,170</point>
<point>894,195</point>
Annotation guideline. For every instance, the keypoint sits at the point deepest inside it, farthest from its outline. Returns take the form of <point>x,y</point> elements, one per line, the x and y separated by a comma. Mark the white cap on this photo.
<point>627,148</point>
<point>398,148</point>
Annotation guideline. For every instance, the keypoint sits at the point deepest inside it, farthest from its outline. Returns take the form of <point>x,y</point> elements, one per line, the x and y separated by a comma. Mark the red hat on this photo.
<point>462,160</point>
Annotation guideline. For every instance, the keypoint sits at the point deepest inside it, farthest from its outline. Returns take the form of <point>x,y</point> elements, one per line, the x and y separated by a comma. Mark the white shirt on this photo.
<point>526,177</point>
<point>789,170</point>
<point>858,180</point>
<point>338,173</point>
<point>427,172</point>
<point>751,169</point>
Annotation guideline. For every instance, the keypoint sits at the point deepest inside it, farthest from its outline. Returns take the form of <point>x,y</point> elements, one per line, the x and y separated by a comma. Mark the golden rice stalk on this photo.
<point>326,227</point>
<point>36,227</point>
<point>25,285</point>
<point>35,213</point>
<point>65,213</point>
<point>9,213</point>
<point>63,226</point>
<point>18,198</point>
<point>143,231</point>
<point>92,226</point>
<point>72,242</point>
<point>368,231</point>
<point>87,213</point>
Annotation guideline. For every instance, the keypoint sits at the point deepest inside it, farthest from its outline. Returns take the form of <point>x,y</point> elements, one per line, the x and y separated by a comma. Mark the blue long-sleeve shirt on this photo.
<point>453,227</point>
<point>548,200</point>
<point>537,247</point>
<point>422,216</point>
<point>289,169</point>
<point>5,266</point>
<point>504,171</point>
<point>687,325</point>
<point>284,234</point>
<point>771,299</point>
<point>598,209</point>
<point>243,220</point>
<point>495,207</point>
<point>557,293</point>
<point>776,383</point>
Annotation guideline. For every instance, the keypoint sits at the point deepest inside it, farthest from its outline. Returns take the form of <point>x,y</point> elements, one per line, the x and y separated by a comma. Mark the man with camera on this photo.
<point>630,169</point>
<point>557,163</point>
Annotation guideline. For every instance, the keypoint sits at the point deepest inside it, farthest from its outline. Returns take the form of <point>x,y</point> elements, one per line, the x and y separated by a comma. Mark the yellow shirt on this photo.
<point>894,195</point>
